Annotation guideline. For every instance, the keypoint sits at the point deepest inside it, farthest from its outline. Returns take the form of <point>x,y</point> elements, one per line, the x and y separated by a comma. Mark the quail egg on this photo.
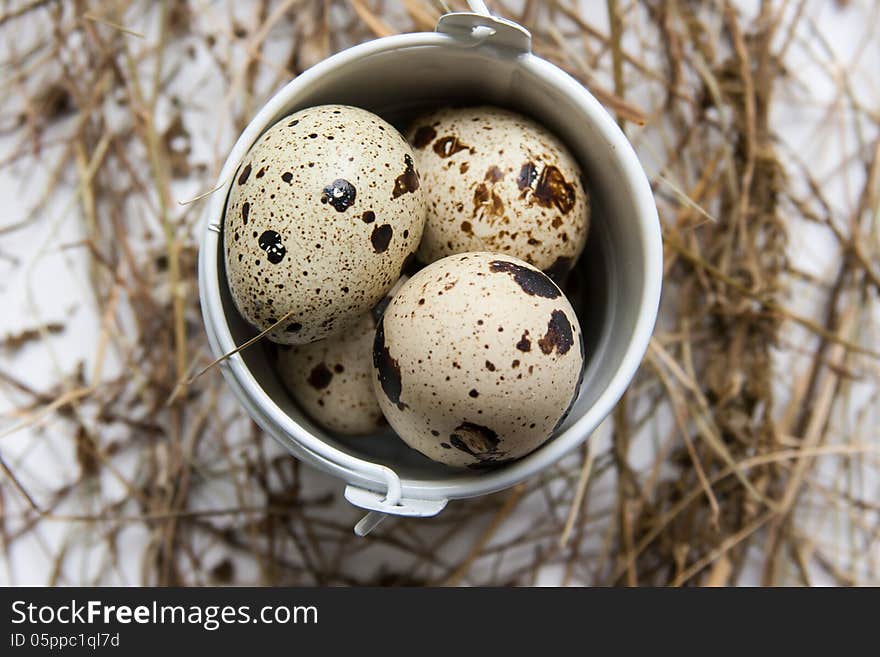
<point>331,379</point>
<point>498,181</point>
<point>477,359</point>
<point>323,214</point>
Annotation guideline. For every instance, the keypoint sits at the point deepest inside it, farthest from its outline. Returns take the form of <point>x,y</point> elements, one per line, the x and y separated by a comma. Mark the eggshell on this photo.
<point>478,358</point>
<point>332,379</point>
<point>322,216</point>
<point>498,181</point>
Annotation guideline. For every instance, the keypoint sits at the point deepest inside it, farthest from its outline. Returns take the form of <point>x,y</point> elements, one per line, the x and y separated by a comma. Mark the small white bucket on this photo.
<point>472,58</point>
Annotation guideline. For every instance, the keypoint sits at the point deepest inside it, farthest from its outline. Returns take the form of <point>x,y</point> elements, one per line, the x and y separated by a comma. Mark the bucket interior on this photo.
<point>607,287</point>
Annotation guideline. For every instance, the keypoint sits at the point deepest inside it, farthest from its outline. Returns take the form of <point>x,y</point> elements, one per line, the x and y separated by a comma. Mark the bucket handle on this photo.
<point>472,29</point>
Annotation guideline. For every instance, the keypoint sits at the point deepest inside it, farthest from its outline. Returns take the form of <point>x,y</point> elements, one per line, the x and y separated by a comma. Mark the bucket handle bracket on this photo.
<point>475,29</point>
<point>380,506</point>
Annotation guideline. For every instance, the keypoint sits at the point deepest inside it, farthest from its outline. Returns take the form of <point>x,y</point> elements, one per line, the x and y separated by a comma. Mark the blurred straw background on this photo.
<point>747,450</point>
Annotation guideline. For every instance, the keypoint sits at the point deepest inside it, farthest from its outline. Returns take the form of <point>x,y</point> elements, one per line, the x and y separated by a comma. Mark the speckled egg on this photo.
<point>332,379</point>
<point>498,181</point>
<point>477,359</point>
<point>323,213</point>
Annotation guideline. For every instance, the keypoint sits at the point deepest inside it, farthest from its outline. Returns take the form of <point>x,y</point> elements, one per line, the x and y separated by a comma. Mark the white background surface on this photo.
<point>43,280</point>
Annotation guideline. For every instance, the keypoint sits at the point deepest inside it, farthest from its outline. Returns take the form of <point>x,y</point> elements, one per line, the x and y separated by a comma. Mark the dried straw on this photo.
<point>746,451</point>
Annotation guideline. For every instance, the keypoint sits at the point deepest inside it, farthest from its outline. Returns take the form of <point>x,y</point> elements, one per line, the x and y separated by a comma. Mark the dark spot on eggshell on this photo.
<point>577,387</point>
<point>408,181</point>
<point>368,217</point>
<point>494,174</point>
<point>449,146</point>
<point>558,271</point>
<point>490,366</point>
<point>287,177</point>
<point>553,190</point>
<point>339,369</point>
<point>527,176</point>
<point>293,327</point>
<point>559,334</point>
<point>474,393</point>
<point>488,201</point>
<point>261,172</point>
<point>381,237</point>
<point>467,228</point>
<point>340,194</point>
<point>524,343</point>
<point>320,377</point>
<point>445,445</point>
<point>387,368</point>
<point>270,242</point>
<point>242,179</point>
<point>293,123</point>
<point>423,136</point>
<point>245,211</point>
<point>476,440</point>
<point>463,167</point>
<point>532,282</point>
